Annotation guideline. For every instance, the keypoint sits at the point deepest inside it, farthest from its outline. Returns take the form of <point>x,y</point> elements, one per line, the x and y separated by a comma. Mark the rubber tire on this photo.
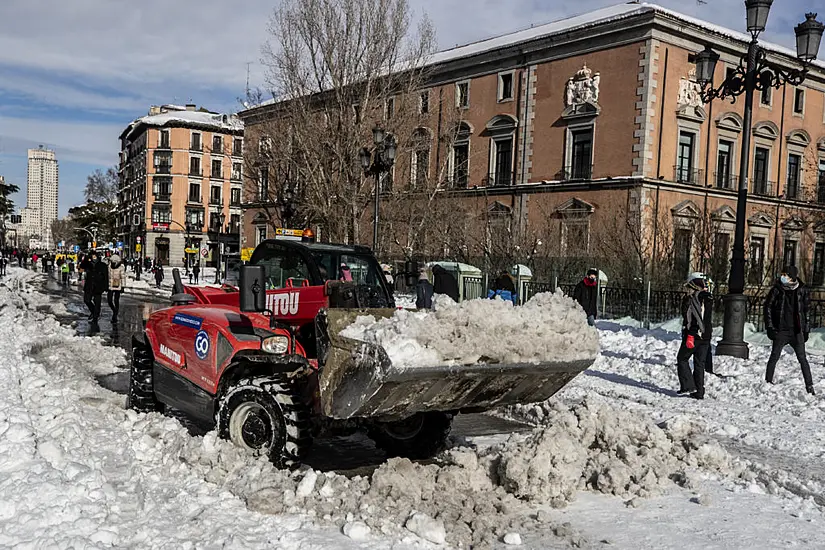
<point>430,439</point>
<point>141,395</point>
<point>278,397</point>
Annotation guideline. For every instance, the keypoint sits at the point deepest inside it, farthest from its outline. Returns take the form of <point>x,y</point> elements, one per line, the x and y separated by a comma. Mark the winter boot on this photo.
<point>810,389</point>
<point>697,395</point>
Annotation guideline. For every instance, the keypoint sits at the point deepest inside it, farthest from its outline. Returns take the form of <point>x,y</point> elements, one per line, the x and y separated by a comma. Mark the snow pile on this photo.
<point>605,449</point>
<point>549,327</point>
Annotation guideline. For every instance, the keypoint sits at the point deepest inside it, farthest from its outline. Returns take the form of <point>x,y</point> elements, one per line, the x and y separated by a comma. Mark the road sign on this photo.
<point>89,244</point>
<point>119,244</point>
<point>137,248</point>
<point>191,250</point>
<point>76,248</point>
<point>204,251</point>
<point>246,254</point>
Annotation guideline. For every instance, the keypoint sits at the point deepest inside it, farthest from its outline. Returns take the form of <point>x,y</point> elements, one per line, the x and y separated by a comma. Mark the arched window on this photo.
<point>502,131</point>
<point>459,168</point>
<point>420,158</point>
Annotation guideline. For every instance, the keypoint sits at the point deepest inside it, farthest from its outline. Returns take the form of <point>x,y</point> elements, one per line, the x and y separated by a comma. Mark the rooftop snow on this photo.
<point>198,118</point>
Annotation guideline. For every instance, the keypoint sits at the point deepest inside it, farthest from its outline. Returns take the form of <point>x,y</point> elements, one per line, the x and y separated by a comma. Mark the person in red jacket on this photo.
<point>697,329</point>
<point>585,294</point>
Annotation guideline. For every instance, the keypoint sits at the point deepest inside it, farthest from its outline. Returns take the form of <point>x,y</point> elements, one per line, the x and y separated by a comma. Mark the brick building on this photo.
<point>180,166</point>
<point>586,139</point>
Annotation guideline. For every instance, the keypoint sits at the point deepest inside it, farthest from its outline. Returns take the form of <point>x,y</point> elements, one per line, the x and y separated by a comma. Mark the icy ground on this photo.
<point>617,461</point>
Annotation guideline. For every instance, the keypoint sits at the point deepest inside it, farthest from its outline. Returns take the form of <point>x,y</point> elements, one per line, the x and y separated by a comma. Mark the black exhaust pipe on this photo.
<point>179,297</point>
<point>178,286</point>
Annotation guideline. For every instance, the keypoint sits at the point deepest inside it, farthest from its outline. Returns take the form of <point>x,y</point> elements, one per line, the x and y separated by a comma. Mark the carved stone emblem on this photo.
<point>583,87</point>
<point>690,92</point>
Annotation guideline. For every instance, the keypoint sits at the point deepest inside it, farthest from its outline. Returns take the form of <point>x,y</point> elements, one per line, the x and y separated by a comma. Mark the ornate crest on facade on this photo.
<point>583,87</point>
<point>690,92</point>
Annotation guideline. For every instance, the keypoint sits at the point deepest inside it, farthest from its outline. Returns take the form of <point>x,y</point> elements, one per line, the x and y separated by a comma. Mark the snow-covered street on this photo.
<point>617,460</point>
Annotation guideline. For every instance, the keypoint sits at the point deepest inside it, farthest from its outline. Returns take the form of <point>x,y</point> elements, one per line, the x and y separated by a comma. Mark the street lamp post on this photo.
<point>222,219</point>
<point>753,73</point>
<point>385,149</point>
<point>187,227</point>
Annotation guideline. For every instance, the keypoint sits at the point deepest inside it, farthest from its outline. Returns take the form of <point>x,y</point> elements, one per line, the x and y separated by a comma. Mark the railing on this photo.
<point>459,180</point>
<point>498,180</point>
<point>195,147</point>
<point>725,180</point>
<point>235,176</point>
<point>234,202</point>
<point>216,175</point>
<point>163,197</point>
<point>237,151</point>
<point>215,200</point>
<point>793,191</point>
<point>163,169</point>
<point>683,174</point>
<point>763,188</point>
<point>164,145</point>
<point>473,288</point>
<point>577,172</point>
<point>194,198</point>
<point>196,173</point>
<point>217,150</point>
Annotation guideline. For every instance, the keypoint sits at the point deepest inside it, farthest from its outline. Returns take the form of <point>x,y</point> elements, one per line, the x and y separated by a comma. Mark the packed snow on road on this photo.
<point>615,460</point>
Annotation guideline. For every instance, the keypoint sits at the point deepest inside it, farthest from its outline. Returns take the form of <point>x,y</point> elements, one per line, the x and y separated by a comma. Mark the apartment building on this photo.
<point>42,184</point>
<point>581,131</point>
<point>180,173</point>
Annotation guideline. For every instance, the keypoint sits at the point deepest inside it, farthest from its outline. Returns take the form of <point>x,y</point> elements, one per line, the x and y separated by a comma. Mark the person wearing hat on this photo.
<point>786,321</point>
<point>585,294</point>
<point>697,317</point>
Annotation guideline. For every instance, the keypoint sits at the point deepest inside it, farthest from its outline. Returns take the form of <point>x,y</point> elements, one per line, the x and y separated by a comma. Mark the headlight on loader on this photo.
<point>276,345</point>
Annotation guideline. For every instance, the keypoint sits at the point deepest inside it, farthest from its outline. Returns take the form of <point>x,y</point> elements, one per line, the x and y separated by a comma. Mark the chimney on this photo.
<point>154,110</point>
<point>190,106</point>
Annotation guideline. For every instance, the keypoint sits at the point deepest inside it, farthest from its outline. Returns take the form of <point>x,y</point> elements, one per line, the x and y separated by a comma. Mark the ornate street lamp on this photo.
<point>385,149</point>
<point>753,73</point>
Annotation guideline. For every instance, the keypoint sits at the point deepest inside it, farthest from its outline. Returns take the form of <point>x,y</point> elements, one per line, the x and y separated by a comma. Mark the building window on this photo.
<point>265,145</point>
<point>215,221</point>
<point>820,187</point>
<point>164,140</point>
<point>760,171</point>
<point>163,162</point>
<point>757,261</point>
<point>502,169</point>
<point>420,165</point>
<point>794,168</point>
<point>195,141</point>
<point>799,101</point>
<point>237,171</point>
<point>194,216</point>
<point>215,195</point>
<point>684,158</point>
<point>765,96</point>
<point>263,184</point>
<point>505,86</point>
<point>162,187</point>
<point>575,237</point>
<point>719,260</point>
<point>217,145</point>
<point>217,169</point>
<point>424,102</point>
<point>819,264</point>
<point>194,166</point>
<point>194,192</point>
<point>462,95</point>
<point>260,234</point>
<point>682,242</point>
<point>161,214</point>
<point>234,197</point>
<point>235,223</point>
<point>237,147</point>
<point>724,159</point>
<point>581,153</point>
<point>389,108</point>
<point>461,164</point>
<point>789,252</point>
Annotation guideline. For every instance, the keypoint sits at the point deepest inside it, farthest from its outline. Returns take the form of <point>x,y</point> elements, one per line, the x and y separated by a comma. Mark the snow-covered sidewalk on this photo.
<point>616,459</point>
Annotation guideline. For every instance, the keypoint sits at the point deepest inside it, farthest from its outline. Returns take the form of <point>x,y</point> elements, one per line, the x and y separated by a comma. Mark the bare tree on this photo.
<point>102,186</point>
<point>335,69</point>
<point>64,230</point>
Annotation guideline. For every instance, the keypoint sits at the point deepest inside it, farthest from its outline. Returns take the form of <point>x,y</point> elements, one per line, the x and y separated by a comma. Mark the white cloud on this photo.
<point>73,141</point>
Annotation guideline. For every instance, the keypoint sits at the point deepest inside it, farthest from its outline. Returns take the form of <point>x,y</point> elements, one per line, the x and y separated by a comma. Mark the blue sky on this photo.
<point>74,73</point>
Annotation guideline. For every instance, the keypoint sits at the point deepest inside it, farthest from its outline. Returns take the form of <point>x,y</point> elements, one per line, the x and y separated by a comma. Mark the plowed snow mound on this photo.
<point>549,327</point>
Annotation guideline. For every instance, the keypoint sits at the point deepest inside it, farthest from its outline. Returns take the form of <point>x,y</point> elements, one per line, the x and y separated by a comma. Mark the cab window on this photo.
<point>363,271</point>
<point>284,268</point>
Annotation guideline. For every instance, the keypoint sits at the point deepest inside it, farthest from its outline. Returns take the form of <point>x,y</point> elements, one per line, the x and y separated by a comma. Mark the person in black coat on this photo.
<point>786,320</point>
<point>97,282</point>
<point>444,283</point>
<point>697,330</point>
<point>423,292</point>
<point>586,294</point>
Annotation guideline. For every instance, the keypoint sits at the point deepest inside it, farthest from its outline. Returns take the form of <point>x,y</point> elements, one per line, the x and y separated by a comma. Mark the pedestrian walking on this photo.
<point>3,261</point>
<point>64,273</point>
<point>97,281</point>
<point>586,294</point>
<point>196,271</point>
<point>786,320</point>
<point>697,329</point>
<point>117,280</point>
<point>423,291</point>
<point>444,283</point>
<point>158,269</point>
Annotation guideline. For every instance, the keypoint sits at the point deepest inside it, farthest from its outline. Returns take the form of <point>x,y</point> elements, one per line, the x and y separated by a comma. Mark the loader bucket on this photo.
<point>359,380</point>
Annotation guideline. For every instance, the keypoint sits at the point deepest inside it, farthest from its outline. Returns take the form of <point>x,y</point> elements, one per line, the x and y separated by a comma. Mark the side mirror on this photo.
<point>253,289</point>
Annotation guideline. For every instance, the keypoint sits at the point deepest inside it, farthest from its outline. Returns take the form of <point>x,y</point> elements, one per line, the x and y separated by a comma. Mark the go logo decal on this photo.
<point>202,344</point>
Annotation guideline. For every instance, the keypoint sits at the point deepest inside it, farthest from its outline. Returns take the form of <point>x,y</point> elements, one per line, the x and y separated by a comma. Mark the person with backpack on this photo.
<point>786,320</point>
<point>697,330</point>
<point>586,294</point>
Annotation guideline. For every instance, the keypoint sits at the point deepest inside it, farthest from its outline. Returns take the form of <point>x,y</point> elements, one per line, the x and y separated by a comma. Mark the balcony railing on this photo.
<point>793,191</point>
<point>195,147</point>
<point>235,202</point>
<point>763,188</point>
<point>499,180</point>
<point>683,174</point>
<point>164,145</point>
<point>577,172</point>
<point>216,175</point>
<point>163,169</point>
<point>163,196</point>
<point>194,198</point>
<point>725,180</point>
<point>236,176</point>
<point>237,151</point>
<point>216,200</point>
<point>217,149</point>
<point>196,173</point>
